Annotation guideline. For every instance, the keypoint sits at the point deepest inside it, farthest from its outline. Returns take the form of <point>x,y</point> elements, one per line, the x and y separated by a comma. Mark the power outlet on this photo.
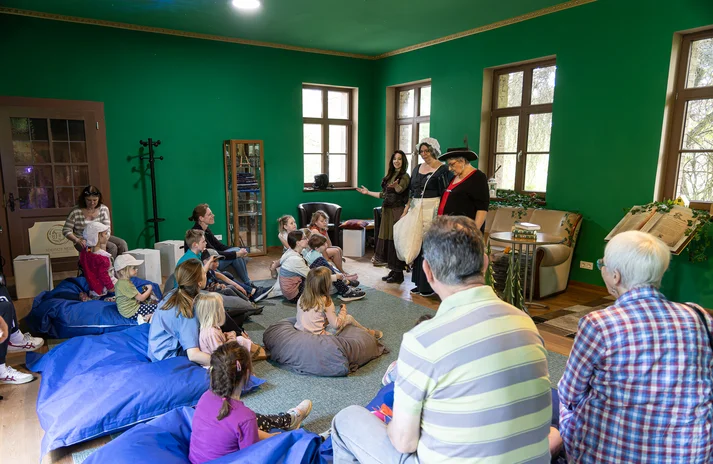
<point>586,265</point>
<point>219,237</point>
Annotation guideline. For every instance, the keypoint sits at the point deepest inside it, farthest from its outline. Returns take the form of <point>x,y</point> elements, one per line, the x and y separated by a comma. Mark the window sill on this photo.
<point>333,189</point>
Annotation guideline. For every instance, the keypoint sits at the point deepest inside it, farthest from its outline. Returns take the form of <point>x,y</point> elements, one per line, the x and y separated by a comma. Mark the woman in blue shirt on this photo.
<point>174,329</point>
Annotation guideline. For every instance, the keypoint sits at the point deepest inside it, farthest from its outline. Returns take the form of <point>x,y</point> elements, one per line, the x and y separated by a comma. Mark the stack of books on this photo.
<point>525,231</point>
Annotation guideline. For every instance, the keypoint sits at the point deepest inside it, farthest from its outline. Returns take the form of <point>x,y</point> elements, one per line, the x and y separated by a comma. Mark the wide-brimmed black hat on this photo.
<point>464,152</point>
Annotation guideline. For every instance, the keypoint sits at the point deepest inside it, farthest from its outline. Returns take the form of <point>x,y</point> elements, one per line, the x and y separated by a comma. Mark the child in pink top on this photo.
<point>211,316</point>
<point>222,424</point>
<point>96,261</point>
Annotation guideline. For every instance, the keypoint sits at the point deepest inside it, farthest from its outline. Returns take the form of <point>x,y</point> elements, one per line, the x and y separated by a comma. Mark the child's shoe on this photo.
<point>20,342</point>
<point>299,413</point>
<point>353,283</point>
<point>352,294</point>
<point>140,319</point>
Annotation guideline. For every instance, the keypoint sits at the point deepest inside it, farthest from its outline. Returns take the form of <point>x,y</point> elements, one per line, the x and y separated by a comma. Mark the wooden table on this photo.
<point>529,248</point>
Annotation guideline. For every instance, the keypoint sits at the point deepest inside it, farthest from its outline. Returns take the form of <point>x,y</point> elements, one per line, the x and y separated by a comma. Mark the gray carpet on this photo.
<point>329,395</point>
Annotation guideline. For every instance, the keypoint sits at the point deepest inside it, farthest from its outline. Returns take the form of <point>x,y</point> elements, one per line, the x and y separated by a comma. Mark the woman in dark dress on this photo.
<point>467,194</point>
<point>394,192</point>
<point>434,177</point>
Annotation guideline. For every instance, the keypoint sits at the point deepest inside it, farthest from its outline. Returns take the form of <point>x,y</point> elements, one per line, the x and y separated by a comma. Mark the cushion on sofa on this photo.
<point>324,355</point>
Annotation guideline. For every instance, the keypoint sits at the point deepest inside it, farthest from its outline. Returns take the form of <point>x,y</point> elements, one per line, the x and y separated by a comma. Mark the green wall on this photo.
<point>612,70</point>
<point>191,94</point>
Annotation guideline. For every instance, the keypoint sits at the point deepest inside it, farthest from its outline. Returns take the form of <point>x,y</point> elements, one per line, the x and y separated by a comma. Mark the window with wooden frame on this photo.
<point>328,128</point>
<point>413,117</point>
<point>520,126</point>
<point>689,162</point>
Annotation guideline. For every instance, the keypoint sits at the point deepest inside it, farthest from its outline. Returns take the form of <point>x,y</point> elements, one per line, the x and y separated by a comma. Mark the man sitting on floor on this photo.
<point>472,382</point>
<point>638,383</point>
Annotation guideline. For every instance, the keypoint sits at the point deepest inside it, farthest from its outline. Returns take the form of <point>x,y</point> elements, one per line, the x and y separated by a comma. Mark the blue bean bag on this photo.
<point>323,355</point>
<point>60,313</point>
<point>99,384</point>
<point>166,439</point>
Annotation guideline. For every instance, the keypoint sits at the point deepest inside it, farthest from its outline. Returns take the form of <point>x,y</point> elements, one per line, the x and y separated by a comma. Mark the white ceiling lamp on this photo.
<point>246,4</point>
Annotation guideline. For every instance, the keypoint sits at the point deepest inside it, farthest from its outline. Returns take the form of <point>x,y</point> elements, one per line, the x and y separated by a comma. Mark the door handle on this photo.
<point>11,202</point>
<point>519,154</point>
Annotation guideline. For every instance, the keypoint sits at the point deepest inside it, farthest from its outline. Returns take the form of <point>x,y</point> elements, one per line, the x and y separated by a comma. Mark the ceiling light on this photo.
<point>246,4</point>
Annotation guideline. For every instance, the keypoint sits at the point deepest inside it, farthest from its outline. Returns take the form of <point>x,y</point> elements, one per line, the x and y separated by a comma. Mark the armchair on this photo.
<point>334,211</point>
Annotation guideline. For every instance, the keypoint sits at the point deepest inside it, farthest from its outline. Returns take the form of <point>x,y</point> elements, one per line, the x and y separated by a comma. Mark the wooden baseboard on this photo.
<point>579,284</point>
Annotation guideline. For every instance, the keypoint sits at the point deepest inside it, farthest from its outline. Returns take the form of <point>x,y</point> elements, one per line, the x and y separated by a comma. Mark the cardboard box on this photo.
<point>171,252</point>
<point>151,268</point>
<point>33,275</point>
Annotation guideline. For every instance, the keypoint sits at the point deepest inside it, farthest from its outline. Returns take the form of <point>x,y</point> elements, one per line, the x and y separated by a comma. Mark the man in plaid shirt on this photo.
<point>638,384</point>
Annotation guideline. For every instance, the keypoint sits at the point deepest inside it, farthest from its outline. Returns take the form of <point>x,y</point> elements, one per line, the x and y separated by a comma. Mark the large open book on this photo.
<point>670,226</point>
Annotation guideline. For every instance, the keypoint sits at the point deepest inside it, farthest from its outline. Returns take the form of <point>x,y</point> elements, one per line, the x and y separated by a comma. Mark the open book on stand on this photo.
<point>670,226</point>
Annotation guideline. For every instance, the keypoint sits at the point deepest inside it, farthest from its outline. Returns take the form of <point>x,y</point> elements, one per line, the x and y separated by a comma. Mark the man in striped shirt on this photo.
<point>472,383</point>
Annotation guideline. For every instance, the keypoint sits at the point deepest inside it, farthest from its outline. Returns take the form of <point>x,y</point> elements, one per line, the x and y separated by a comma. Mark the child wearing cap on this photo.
<point>131,303</point>
<point>95,261</point>
<point>218,282</point>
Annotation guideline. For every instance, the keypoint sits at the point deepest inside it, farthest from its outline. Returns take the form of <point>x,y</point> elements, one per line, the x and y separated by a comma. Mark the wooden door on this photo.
<point>49,150</point>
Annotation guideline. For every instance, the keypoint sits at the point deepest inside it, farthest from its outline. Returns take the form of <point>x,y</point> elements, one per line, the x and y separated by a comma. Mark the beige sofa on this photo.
<point>552,262</point>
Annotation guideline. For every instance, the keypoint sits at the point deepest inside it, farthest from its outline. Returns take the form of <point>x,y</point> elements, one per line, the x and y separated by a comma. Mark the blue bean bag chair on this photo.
<point>60,313</point>
<point>166,440</point>
<point>323,355</point>
<point>100,384</point>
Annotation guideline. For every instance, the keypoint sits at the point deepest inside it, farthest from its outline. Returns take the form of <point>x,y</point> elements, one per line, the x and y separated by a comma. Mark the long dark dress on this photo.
<point>391,209</point>
<point>434,189</point>
<point>467,197</point>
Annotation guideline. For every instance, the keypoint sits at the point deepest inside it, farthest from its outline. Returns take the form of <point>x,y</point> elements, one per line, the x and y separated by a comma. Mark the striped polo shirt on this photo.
<point>476,375</point>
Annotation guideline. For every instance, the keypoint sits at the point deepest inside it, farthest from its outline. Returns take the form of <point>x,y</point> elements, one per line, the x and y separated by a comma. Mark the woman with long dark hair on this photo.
<point>394,192</point>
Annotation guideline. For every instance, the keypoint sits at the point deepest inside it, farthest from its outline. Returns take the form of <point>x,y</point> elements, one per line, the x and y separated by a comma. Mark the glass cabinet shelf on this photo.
<point>245,194</point>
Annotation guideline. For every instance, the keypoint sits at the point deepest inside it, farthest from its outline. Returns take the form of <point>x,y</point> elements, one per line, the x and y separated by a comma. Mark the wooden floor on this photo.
<point>20,432</point>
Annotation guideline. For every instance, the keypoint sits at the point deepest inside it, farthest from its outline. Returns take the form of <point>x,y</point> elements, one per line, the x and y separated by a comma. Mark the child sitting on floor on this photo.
<point>320,225</point>
<point>218,282</point>
<point>131,303</point>
<point>211,316</point>
<point>96,261</point>
<point>314,255</point>
<point>222,424</point>
<point>315,309</point>
<point>285,225</point>
<point>294,270</point>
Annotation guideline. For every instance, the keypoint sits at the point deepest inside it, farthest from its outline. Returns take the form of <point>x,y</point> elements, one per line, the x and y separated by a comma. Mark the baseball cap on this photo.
<point>124,260</point>
<point>208,252</point>
<point>92,231</point>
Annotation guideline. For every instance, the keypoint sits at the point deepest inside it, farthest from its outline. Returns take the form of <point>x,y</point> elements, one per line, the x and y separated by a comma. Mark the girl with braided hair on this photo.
<point>222,424</point>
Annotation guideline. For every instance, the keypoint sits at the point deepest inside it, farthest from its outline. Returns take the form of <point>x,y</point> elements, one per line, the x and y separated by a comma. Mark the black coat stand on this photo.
<point>152,168</point>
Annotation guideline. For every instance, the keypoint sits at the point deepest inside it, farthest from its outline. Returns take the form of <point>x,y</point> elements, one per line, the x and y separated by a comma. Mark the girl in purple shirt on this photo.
<point>222,424</point>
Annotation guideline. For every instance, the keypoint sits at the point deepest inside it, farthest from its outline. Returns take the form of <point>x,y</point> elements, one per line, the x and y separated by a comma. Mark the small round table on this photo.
<point>529,248</point>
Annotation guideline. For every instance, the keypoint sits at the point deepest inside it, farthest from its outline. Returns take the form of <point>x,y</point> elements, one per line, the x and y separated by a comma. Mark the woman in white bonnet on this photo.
<point>435,177</point>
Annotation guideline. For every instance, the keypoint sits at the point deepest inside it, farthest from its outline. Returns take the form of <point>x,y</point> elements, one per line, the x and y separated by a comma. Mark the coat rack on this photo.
<point>152,159</point>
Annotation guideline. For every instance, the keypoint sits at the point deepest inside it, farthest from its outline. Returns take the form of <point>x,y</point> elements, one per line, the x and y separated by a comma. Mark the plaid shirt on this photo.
<point>638,386</point>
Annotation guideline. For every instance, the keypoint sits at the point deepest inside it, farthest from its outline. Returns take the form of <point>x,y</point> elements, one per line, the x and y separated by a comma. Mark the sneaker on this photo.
<point>299,414</point>
<point>324,435</point>
<point>260,293</point>
<point>28,343</point>
<point>414,291</point>
<point>353,283</point>
<point>15,377</point>
<point>352,294</point>
<point>396,278</point>
<point>427,294</point>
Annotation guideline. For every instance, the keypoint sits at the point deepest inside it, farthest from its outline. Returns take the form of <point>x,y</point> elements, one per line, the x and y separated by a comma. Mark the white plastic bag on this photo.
<point>408,234</point>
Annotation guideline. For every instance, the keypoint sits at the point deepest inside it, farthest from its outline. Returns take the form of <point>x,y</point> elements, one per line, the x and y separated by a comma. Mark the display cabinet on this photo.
<point>245,195</point>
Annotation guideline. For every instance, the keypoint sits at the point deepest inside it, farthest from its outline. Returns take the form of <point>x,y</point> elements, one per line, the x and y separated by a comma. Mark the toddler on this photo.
<point>222,424</point>
<point>131,303</point>
<point>316,313</point>
<point>314,257</point>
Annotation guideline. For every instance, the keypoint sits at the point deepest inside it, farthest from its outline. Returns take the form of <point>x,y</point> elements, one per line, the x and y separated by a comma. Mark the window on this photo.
<point>327,122</point>
<point>689,164</point>
<point>521,122</point>
<point>413,117</point>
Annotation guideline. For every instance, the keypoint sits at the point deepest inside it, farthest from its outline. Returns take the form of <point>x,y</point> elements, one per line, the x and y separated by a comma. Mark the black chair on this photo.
<point>334,211</point>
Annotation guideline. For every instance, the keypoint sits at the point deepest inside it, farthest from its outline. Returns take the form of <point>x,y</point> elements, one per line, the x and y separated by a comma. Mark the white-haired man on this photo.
<point>472,383</point>
<point>638,385</point>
